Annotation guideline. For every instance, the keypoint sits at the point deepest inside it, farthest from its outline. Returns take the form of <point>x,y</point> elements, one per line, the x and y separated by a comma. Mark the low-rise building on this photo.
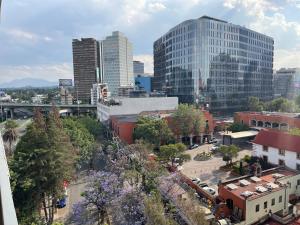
<point>129,106</point>
<point>273,120</point>
<point>253,199</point>
<point>66,97</point>
<point>123,126</point>
<point>278,148</point>
<point>287,83</point>
<point>99,92</point>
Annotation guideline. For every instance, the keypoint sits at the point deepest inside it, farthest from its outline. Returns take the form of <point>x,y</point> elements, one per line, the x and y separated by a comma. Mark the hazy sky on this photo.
<point>36,35</point>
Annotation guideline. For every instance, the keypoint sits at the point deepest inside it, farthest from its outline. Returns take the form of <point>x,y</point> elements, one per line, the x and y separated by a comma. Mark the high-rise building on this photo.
<point>117,61</point>
<point>207,60</point>
<point>86,63</point>
<point>287,83</point>
<point>138,68</point>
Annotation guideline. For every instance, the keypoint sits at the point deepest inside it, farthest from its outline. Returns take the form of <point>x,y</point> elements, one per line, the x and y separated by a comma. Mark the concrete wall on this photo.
<point>290,158</point>
<point>8,210</point>
<point>136,106</point>
<point>253,216</point>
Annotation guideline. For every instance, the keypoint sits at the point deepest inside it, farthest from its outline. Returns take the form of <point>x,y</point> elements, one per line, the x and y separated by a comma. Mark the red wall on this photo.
<point>123,129</point>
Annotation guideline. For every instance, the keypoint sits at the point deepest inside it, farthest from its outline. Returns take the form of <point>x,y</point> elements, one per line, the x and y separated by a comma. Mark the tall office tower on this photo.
<point>287,83</point>
<point>117,62</point>
<point>86,63</point>
<point>138,68</point>
<point>207,60</point>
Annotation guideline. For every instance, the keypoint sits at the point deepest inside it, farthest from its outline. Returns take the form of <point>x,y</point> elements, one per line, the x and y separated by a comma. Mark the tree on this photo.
<point>153,130</point>
<point>10,134</point>
<point>229,152</point>
<point>188,120</point>
<point>102,189</point>
<point>281,105</point>
<point>297,100</point>
<point>294,131</point>
<point>254,104</point>
<point>237,127</point>
<point>82,141</point>
<point>42,162</point>
<point>170,152</point>
<point>155,212</point>
<point>92,125</point>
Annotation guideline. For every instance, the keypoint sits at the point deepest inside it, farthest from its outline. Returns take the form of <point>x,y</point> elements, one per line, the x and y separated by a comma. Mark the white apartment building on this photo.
<point>129,106</point>
<point>278,148</point>
<point>7,209</point>
<point>117,62</point>
<point>99,92</point>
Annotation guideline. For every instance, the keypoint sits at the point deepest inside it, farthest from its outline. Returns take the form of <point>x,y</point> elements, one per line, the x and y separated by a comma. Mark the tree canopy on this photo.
<point>153,130</point>
<point>237,127</point>
<point>169,153</point>
<point>188,120</point>
<point>229,152</point>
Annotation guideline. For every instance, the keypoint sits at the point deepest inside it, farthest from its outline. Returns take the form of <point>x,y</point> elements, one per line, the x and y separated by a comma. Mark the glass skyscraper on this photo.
<point>208,60</point>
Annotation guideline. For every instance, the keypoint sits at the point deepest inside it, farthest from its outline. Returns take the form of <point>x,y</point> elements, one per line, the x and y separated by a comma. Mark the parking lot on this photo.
<point>208,171</point>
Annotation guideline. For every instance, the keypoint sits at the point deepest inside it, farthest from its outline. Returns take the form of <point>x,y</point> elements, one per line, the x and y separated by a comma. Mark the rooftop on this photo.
<point>280,114</point>
<point>242,134</point>
<point>254,187</point>
<point>133,118</point>
<point>279,140</point>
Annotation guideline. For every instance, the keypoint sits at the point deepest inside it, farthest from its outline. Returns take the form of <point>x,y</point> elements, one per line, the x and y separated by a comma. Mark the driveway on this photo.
<point>208,171</point>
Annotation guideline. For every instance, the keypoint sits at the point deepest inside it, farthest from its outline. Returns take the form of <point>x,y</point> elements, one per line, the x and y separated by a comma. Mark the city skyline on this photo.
<point>39,47</point>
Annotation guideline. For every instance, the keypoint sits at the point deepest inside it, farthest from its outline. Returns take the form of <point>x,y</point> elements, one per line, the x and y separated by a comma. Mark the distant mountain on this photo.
<point>28,82</point>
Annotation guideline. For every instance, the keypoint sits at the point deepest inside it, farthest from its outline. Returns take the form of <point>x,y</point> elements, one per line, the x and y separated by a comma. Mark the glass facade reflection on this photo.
<point>213,61</point>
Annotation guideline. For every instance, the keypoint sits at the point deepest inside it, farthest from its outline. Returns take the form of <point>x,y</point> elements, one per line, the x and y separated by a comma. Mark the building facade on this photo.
<point>287,83</point>
<point>208,60</point>
<point>276,120</point>
<point>138,68</point>
<point>129,106</point>
<point>86,65</point>
<point>117,62</point>
<point>143,83</point>
<point>99,92</point>
<point>278,148</point>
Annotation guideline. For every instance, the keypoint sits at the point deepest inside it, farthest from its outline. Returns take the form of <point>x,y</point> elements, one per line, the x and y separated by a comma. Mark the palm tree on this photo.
<point>10,134</point>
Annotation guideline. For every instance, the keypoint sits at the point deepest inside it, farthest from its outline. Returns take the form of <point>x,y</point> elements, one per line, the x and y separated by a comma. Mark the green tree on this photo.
<point>254,104</point>
<point>188,120</point>
<point>92,125</point>
<point>297,100</point>
<point>82,140</point>
<point>169,153</point>
<point>281,105</point>
<point>237,127</point>
<point>155,211</point>
<point>294,131</point>
<point>43,160</point>
<point>10,134</point>
<point>154,131</point>
<point>229,152</point>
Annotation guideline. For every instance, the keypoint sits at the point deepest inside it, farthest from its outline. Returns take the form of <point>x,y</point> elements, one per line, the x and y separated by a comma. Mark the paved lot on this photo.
<point>208,171</point>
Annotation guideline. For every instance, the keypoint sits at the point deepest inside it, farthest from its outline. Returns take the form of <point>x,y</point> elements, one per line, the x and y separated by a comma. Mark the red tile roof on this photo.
<point>279,140</point>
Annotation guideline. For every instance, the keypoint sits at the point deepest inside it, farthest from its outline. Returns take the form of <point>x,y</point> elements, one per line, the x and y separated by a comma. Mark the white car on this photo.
<point>196,180</point>
<point>210,190</point>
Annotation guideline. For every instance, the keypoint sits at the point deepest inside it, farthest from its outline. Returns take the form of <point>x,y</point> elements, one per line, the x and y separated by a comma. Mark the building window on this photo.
<point>265,205</point>
<point>257,208</point>
<point>280,198</point>
<point>298,155</point>
<point>298,166</point>
<point>281,151</point>
<point>298,182</point>
<point>273,201</point>
<point>281,162</point>
<point>265,148</point>
<point>265,158</point>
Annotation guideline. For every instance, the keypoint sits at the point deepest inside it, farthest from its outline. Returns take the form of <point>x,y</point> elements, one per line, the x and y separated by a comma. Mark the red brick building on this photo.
<point>281,121</point>
<point>123,126</point>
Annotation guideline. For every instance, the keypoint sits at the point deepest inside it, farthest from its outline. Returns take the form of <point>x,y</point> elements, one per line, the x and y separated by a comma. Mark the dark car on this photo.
<point>213,141</point>
<point>61,203</point>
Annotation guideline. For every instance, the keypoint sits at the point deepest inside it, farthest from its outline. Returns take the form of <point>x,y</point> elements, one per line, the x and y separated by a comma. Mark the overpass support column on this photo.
<point>11,112</point>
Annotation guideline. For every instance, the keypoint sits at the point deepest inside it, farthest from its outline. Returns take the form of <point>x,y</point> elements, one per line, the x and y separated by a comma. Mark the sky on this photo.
<point>36,36</point>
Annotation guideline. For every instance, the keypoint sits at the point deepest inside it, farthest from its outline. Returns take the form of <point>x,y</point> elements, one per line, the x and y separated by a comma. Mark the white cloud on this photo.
<point>22,35</point>
<point>147,60</point>
<point>46,72</point>
<point>156,7</point>
<point>263,22</point>
<point>286,58</point>
<point>294,3</point>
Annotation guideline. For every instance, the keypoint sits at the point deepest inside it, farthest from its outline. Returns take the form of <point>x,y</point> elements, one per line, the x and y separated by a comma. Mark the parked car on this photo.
<point>196,180</point>
<point>203,185</point>
<point>194,146</point>
<point>214,148</point>
<point>61,203</point>
<point>210,190</point>
<point>213,141</point>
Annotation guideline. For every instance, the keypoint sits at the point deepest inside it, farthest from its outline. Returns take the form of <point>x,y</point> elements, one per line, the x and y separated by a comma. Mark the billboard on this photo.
<point>65,82</point>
